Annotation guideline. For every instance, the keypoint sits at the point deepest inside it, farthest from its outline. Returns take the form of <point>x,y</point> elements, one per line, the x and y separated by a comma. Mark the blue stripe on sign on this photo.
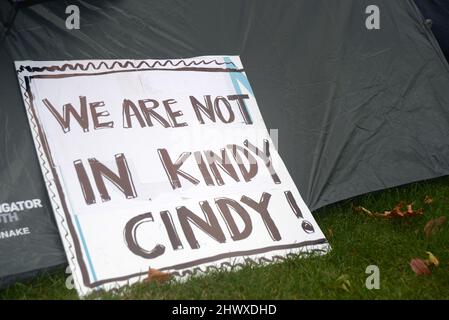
<point>86,251</point>
<point>238,78</point>
<point>80,231</point>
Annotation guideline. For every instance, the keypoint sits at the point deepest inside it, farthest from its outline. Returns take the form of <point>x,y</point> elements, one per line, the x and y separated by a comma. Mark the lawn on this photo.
<point>358,241</point>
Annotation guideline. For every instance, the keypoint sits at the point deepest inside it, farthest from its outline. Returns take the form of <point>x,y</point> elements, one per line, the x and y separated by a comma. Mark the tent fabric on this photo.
<point>438,13</point>
<point>357,110</point>
<point>20,179</point>
<point>25,256</point>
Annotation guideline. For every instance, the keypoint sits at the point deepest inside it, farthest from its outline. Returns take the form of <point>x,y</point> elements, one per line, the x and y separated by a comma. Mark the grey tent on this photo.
<point>357,109</point>
<point>436,12</point>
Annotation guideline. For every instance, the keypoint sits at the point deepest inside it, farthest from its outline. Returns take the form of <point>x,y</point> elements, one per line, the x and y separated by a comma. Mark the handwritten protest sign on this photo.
<point>163,164</point>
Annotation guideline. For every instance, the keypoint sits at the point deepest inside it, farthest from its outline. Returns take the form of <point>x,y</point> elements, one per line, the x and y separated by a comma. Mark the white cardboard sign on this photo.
<point>163,164</point>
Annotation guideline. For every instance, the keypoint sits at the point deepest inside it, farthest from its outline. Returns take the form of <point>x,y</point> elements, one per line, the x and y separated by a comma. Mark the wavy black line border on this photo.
<point>122,64</point>
<point>48,168</point>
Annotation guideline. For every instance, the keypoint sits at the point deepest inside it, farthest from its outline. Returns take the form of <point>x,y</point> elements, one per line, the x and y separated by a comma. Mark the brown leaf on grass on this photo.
<point>422,267</point>
<point>434,225</point>
<point>419,267</point>
<point>157,276</point>
<point>428,200</point>
<point>360,209</point>
<point>396,212</point>
<point>330,233</point>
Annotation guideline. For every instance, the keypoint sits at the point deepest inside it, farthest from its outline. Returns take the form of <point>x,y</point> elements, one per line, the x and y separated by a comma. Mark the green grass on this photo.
<point>357,241</point>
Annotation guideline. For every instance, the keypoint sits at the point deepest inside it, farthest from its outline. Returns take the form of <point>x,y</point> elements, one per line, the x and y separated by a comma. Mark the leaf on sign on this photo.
<point>397,212</point>
<point>419,267</point>
<point>343,282</point>
<point>428,200</point>
<point>432,260</point>
<point>434,225</point>
<point>157,276</point>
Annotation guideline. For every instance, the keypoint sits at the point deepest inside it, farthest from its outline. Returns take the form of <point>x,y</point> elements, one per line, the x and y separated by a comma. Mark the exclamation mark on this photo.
<point>292,202</point>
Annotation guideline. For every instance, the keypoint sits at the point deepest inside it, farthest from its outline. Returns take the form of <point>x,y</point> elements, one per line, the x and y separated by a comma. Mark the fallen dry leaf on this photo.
<point>330,233</point>
<point>410,209</point>
<point>434,225</point>
<point>360,209</point>
<point>432,260</point>
<point>157,275</point>
<point>366,211</point>
<point>343,282</point>
<point>419,267</point>
<point>396,212</point>
<point>428,200</point>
